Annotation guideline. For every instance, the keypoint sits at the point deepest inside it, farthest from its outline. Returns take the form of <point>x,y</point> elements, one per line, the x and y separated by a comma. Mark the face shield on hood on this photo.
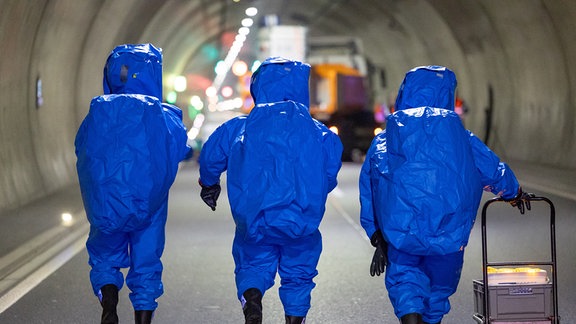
<point>278,79</point>
<point>430,86</point>
<point>134,69</point>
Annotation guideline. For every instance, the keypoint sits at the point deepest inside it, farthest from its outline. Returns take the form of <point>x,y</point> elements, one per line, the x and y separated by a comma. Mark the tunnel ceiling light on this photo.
<point>196,102</point>
<point>222,69</point>
<point>227,91</point>
<point>240,38</point>
<point>180,83</point>
<point>239,68</point>
<point>247,22</point>
<point>211,91</point>
<point>67,219</point>
<point>171,97</point>
<point>251,12</point>
<point>334,129</point>
<point>244,31</point>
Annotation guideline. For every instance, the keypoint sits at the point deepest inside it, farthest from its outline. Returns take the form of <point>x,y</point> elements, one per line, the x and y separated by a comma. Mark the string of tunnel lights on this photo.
<point>222,68</point>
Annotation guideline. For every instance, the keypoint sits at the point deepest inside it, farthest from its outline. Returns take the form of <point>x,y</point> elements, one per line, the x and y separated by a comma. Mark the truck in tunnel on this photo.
<point>342,92</point>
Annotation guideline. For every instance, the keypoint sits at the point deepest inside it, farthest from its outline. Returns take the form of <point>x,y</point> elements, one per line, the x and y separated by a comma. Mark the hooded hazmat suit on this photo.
<point>281,164</point>
<point>421,185</point>
<point>128,148</point>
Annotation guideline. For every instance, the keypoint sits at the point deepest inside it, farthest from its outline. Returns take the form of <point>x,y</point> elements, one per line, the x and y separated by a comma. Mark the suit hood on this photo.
<point>134,69</point>
<point>427,86</point>
<point>279,79</point>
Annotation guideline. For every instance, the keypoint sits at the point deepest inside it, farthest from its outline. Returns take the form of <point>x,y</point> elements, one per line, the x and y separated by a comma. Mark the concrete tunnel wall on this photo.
<point>524,49</point>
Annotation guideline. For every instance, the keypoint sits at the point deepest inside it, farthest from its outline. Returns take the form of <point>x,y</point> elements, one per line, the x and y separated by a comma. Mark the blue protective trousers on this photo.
<point>422,284</point>
<point>140,251</point>
<point>295,261</point>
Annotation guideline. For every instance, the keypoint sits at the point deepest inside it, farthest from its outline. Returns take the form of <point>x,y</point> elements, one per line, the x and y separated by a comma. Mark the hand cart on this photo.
<point>517,302</point>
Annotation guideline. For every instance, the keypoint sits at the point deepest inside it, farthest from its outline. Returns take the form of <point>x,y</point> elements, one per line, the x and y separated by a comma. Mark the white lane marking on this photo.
<point>38,243</point>
<point>36,270</point>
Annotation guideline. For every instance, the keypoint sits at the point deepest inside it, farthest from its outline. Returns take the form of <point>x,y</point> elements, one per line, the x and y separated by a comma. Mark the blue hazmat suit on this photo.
<point>421,185</point>
<point>281,164</point>
<point>128,148</point>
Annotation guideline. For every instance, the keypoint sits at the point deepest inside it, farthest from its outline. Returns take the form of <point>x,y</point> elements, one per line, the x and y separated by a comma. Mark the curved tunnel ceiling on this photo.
<point>487,43</point>
<point>520,51</point>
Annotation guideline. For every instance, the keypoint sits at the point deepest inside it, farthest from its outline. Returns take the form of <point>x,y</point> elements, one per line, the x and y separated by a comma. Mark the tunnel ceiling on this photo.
<point>396,35</point>
<point>194,34</point>
<point>515,57</point>
<point>498,49</point>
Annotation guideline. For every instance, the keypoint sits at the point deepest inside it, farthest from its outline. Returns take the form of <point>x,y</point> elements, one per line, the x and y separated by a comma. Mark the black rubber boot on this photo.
<point>295,319</point>
<point>412,318</point>
<point>143,316</point>
<point>253,306</point>
<point>109,301</point>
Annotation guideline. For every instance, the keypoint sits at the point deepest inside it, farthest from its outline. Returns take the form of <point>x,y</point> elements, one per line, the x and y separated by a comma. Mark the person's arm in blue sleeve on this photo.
<point>367,216</point>
<point>497,176</point>
<point>213,158</point>
<point>177,129</point>
<point>333,152</point>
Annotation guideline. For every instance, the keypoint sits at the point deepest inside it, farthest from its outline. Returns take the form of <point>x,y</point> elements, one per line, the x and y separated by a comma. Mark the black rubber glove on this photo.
<point>380,258</point>
<point>210,194</point>
<point>521,201</point>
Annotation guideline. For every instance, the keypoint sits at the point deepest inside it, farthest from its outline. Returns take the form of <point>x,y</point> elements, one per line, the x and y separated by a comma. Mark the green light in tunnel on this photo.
<point>171,97</point>
<point>192,112</point>
<point>210,52</point>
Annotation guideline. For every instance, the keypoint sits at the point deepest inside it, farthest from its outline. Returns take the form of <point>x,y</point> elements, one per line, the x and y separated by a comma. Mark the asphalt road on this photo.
<point>199,282</point>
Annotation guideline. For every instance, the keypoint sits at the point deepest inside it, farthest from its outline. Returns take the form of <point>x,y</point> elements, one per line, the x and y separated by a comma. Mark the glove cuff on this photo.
<point>377,238</point>
<point>518,195</point>
<point>208,187</point>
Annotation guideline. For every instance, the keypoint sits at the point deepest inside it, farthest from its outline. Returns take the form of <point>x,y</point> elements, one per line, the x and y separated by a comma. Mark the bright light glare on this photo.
<point>240,38</point>
<point>229,104</point>
<point>211,91</point>
<point>334,129</point>
<point>247,22</point>
<point>255,66</point>
<point>377,130</point>
<point>220,67</point>
<point>227,91</point>
<point>198,121</point>
<point>171,97</point>
<point>196,102</point>
<point>239,68</point>
<point>193,133</point>
<point>251,12</point>
<point>244,31</point>
<point>180,83</point>
<point>67,219</point>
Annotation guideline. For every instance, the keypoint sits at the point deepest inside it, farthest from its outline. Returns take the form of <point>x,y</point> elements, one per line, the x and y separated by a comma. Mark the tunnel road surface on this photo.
<point>199,281</point>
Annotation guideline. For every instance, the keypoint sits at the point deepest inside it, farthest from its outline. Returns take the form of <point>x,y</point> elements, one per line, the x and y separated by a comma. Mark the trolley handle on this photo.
<point>529,198</point>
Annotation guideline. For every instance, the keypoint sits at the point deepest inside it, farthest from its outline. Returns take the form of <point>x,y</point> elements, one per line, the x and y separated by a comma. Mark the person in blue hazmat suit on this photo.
<point>128,148</point>
<point>420,187</point>
<point>281,164</point>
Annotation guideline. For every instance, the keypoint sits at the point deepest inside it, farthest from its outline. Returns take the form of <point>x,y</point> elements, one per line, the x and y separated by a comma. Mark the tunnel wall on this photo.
<point>523,49</point>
